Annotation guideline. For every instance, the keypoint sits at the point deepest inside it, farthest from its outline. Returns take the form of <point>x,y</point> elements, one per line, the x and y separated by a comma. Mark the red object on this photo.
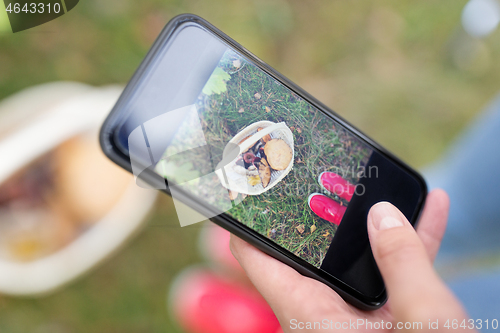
<point>203,302</point>
<point>326,208</point>
<point>335,184</point>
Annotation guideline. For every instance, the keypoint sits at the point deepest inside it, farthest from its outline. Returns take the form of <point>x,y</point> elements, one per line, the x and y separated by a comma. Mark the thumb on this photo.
<point>415,290</point>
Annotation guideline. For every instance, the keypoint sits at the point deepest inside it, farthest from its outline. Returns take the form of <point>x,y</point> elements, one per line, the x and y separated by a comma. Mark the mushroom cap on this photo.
<point>278,153</point>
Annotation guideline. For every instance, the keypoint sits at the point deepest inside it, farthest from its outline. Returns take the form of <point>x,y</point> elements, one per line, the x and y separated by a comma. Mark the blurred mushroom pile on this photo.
<point>259,161</point>
<point>50,202</point>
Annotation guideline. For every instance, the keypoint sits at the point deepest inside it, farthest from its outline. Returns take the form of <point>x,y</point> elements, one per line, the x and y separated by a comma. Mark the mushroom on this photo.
<point>264,172</point>
<point>266,138</point>
<point>248,157</point>
<point>278,154</point>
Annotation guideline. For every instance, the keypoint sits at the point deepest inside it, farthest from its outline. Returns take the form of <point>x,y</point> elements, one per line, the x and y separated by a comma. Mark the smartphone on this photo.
<point>209,123</point>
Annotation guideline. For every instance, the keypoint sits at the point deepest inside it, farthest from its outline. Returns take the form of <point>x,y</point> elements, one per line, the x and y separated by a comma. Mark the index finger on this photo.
<point>432,225</point>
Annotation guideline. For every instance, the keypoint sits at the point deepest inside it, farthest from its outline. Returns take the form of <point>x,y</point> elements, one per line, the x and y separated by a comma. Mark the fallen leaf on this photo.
<point>267,109</point>
<point>299,130</point>
<point>300,228</point>
<point>326,234</point>
<point>257,95</point>
<point>292,128</point>
<point>241,110</point>
<point>237,63</point>
<point>313,228</point>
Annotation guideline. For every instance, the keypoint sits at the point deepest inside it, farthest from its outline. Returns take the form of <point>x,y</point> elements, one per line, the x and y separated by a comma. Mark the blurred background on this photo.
<point>407,73</point>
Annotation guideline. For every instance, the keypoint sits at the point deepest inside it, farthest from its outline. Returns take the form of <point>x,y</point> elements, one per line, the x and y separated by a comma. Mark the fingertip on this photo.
<point>383,215</point>
<point>433,222</point>
<point>435,214</point>
<point>440,197</point>
<point>376,210</point>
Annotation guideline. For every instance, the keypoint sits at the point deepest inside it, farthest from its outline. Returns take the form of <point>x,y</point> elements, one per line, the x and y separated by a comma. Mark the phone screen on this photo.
<point>292,184</point>
<point>227,132</point>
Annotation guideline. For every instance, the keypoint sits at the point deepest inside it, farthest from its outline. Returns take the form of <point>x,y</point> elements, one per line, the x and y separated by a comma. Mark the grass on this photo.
<point>320,144</point>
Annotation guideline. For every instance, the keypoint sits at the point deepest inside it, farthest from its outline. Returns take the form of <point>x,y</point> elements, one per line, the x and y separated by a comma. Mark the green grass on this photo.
<point>320,144</point>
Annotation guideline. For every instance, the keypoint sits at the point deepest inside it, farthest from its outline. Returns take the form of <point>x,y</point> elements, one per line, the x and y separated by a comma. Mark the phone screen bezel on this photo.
<point>112,147</point>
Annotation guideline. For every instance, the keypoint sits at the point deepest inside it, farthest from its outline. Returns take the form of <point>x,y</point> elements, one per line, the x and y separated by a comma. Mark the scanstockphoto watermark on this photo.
<point>347,172</point>
<point>358,324</point>
<point>296,186</point>
<point>365,324</point>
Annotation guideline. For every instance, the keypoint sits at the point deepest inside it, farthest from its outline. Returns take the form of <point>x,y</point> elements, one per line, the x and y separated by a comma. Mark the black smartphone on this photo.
<point>209,123</point>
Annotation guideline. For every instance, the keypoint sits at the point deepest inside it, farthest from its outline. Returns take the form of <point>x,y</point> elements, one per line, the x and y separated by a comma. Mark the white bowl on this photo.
<point>63,110</point>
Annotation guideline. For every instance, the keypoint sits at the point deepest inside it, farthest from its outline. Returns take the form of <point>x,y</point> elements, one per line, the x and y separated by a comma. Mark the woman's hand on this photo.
<point>417,296</point>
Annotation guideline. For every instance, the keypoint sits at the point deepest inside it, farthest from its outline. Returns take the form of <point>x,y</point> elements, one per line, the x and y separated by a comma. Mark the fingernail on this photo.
<point>389,222</point>
<point>385,216</point>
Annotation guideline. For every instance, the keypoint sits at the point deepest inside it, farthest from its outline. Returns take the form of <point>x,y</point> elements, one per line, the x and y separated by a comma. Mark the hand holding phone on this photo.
<point>404,257</point>
<point>207,122</point>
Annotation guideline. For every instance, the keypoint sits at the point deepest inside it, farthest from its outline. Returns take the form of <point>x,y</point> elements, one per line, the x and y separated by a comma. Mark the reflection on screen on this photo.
<point>253,148</point>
